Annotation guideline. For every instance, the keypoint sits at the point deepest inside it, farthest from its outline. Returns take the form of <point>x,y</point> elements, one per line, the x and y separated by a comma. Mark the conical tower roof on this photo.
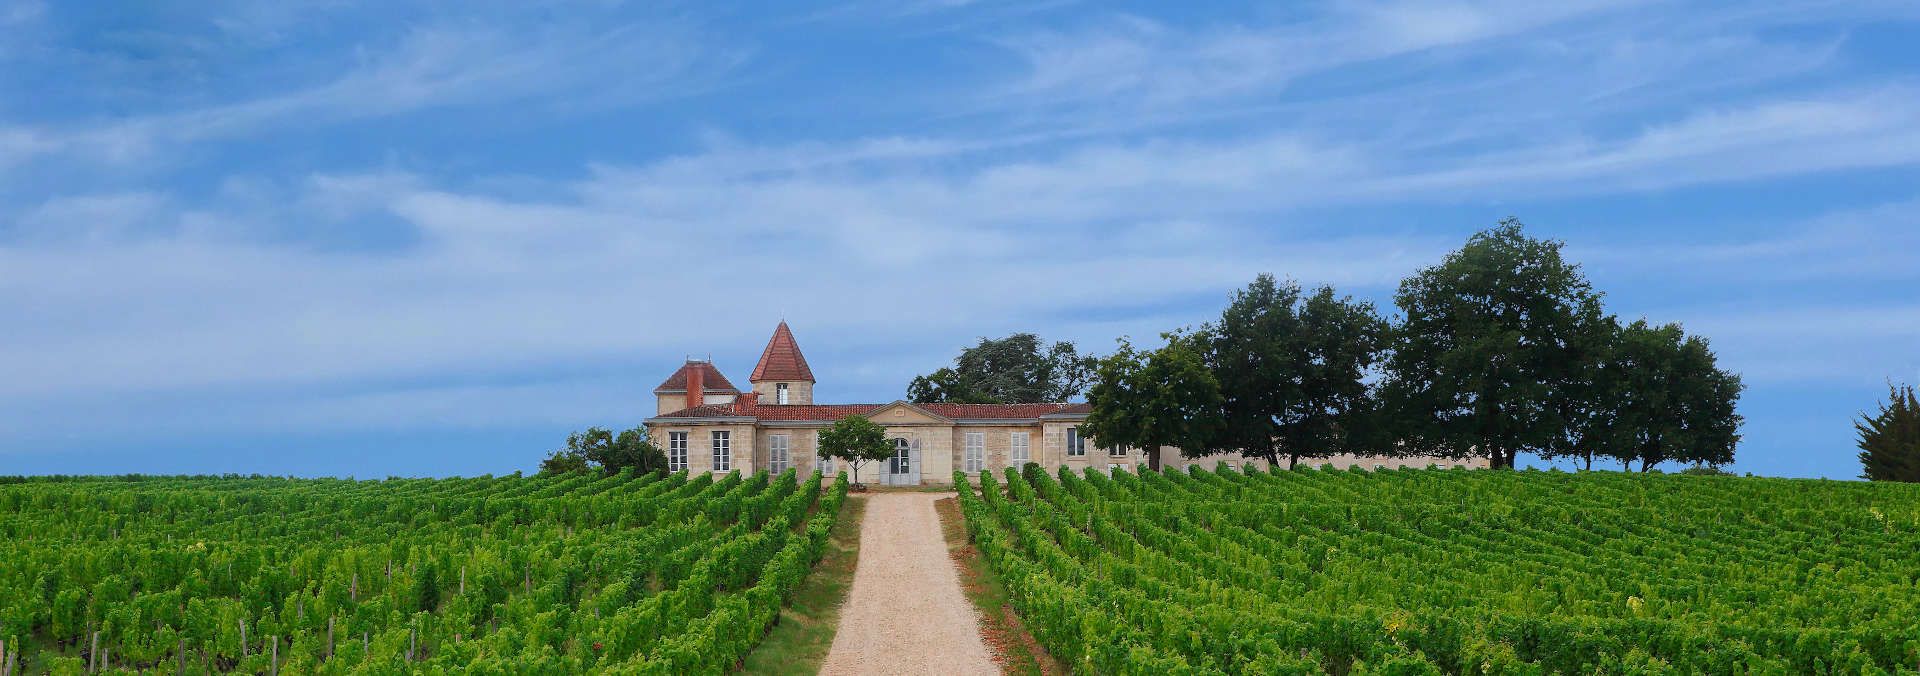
<point>782,359</point>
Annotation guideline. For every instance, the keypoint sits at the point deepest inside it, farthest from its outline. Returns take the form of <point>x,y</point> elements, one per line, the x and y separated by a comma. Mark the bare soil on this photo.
<point>906,613</point>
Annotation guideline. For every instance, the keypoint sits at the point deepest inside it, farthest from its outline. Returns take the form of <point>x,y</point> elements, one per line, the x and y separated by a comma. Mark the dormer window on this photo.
<point>780,393</point>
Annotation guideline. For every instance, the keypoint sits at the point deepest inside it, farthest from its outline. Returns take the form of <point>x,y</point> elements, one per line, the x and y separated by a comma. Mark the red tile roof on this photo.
<point>831,412</point>
<point>782,359</point>
<point>711,380</point>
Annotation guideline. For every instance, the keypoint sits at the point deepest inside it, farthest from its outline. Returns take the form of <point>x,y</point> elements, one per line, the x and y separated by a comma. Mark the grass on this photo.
<point>798,644</point>
<point>1000,627</point>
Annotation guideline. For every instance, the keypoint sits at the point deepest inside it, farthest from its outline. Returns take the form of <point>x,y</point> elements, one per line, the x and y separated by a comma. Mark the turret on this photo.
<point>782,376</point>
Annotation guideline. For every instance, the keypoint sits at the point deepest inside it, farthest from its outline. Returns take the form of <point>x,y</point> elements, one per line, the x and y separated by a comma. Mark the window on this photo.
<point>826,461</point>
<point>676,451</point>
<point>1076,446</point>
<point>722,451</point>
<point>1116,451</point>
<point>1020,455</point>
<point>976,452</point>
<point>902,462</point>
<point>777,454</point>
<point>780,393</point>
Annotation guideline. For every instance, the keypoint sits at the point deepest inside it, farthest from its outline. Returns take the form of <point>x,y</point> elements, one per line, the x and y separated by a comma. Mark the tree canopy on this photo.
<point>856,441</point>
<point>1016,369</point>
<point>1669,398</point>
<point>600,449</point>
<point>1489,342</point>
<point>1890,440</point>
<point>1163,397</point>
<point>1292,371</point>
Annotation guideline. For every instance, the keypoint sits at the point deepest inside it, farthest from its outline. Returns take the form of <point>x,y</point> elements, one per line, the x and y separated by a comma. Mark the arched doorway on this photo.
<point>903,469</point>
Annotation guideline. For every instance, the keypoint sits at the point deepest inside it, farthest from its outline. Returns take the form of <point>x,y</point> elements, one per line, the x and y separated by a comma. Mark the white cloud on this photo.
<point>1089,197</point>
<point>434,66</point>
<point>1131,62</point>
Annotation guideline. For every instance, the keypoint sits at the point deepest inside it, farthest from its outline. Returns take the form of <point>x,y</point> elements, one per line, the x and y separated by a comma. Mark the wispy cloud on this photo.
<point>555,67</point>
<point>418,219</point>
<point>1135,61</point>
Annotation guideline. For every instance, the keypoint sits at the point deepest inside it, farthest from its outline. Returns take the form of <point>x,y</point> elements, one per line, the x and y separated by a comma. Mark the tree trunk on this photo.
<point>1589,461</point>
<point>1293,461</point>
<point>1153,458</point>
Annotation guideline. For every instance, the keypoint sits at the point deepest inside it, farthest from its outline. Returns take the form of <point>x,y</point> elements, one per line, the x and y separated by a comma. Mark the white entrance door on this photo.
<point>903,469</point>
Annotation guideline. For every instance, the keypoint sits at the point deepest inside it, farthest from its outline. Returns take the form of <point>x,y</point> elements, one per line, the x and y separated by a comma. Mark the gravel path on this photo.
<point>906,614</point>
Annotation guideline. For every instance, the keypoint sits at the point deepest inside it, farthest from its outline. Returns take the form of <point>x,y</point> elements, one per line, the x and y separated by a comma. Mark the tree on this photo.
<point>856,441</point>
<point>1292,371</point>
<point>1668,399</point>
<point>1146,400</point>
<point>1591,396</point>
<point>565,461</point>
<point>599,448</point>
<point>1487,346</point>
<point>1890,441</point>
<point>1010,370</point>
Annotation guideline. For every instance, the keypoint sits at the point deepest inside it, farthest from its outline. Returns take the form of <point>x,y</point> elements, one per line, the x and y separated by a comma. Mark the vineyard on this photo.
<point>506,575</point>
<point>1453,571</point>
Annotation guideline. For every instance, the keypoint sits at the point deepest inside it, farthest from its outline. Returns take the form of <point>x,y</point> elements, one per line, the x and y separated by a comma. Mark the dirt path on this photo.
<point>906,614</point>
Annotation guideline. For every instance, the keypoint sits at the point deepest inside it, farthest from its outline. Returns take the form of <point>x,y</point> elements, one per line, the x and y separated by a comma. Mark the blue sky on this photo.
<point>429,239</point>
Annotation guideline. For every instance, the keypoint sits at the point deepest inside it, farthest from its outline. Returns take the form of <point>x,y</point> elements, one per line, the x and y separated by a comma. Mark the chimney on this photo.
<point>696,383</point>
<point>746,400</point>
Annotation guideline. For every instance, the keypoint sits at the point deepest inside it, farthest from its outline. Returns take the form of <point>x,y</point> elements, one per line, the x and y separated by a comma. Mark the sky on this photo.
<point>429,239</point>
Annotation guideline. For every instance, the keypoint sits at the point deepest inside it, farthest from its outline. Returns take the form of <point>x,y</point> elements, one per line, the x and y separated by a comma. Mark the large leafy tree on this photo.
<point>856,441</point>
<point>1010,370</point>
<point>1590,398</point>
<point>600,449</point>
<point>1149,399</point>
<point>1489,342</point>
<point>1292,371</point>
<point>1668,399</point>
<point>1890,440</point>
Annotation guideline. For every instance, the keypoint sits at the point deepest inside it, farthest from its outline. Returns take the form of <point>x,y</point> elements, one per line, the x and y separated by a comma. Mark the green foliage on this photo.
<point>1291,371</point>
<point>564,461</point>
<point>561,573</point>
<point>1429,571</point>
<point>1009,370</point>
<point>1488,349</point>
<point>1890,441</point>
<point>1705,470</point>
<point>601,449</point>
<point>1146,400</point>
<point>856,441</point>
<point>1666,400</point>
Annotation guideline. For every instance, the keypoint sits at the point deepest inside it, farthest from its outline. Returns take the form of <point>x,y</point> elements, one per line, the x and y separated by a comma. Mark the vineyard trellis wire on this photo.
<point>618,573</point>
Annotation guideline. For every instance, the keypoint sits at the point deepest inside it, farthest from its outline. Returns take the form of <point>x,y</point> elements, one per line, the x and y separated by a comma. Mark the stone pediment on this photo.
<point>903,413</point>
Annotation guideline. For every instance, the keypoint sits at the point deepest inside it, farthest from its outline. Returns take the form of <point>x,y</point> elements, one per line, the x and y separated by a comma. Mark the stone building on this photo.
<point>706,424</point>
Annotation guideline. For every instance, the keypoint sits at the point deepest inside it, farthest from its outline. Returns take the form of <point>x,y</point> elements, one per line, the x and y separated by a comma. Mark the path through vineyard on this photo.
<point>906,614</point>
